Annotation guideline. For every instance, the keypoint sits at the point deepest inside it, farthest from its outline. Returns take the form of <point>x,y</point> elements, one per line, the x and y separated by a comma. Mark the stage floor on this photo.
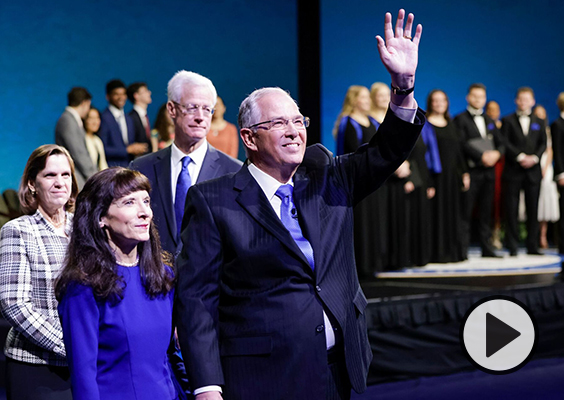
<point>475,274</point>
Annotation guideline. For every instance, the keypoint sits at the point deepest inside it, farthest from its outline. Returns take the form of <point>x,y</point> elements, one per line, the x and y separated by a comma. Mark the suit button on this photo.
<point>318,288</point>
<point>319,328</point>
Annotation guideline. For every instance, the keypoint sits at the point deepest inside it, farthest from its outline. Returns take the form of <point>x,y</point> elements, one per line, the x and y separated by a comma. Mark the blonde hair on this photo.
<point>374,90</point>
<point>348,105</point>
<point>560,101</point>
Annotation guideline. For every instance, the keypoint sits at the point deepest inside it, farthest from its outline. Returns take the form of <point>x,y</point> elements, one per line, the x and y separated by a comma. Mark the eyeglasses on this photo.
<point>281,123</point>
<point>193,108</point>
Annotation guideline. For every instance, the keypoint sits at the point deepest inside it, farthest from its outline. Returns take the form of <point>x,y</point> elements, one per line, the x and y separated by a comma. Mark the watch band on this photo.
<point>401,92</point>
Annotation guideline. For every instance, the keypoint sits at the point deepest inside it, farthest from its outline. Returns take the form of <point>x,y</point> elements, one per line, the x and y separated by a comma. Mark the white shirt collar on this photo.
<point>475,111</point>
<point>74,113</point>
<point>267,183</point>
<point>197,156</point>
<point>562,115</point>
<point>116,112</point>
<point>140,110</point>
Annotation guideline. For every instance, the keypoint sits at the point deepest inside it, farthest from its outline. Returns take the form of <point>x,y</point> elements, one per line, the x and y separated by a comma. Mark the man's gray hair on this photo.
<point>249,113</point>
<point>190,79</point>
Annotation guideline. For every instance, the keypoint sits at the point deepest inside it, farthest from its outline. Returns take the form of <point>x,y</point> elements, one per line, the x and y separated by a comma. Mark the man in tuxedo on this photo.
<point>188,160</point>
<point>525,138</point>
<point>482,146</point>
<point>116,128</point>
<point>557,132</point>
<point>268,300</point>
<point>70,134</point>
<point>140,96</point>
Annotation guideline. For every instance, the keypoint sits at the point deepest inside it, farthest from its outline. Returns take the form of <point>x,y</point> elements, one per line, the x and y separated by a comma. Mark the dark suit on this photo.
<point>70,135</point>
<point>557,132</point>
<point>516,178</point>
<point>249,307</point>
<point>140,131</point>
<point>482,179</point>
<point>110,133</point>
<point>156,167</point>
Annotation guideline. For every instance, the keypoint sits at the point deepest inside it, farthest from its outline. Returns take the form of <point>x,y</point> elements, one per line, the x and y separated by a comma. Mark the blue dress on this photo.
<point>118,350</point>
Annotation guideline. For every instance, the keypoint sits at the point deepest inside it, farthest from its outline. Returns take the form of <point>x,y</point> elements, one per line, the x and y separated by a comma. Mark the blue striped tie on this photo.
<point>182,185</point>
<point>289,217</point>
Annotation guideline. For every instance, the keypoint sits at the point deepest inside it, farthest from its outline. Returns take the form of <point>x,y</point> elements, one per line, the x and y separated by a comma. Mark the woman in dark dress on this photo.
<point>353,128</point>
<point>449,185</point>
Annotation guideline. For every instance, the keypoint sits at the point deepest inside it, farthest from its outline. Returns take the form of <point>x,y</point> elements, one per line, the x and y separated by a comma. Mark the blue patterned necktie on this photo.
<point>182,185</point>
<point>289,217</point>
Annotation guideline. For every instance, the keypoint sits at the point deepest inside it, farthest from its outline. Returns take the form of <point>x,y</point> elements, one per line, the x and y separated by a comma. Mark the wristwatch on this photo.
<point>401,92</point>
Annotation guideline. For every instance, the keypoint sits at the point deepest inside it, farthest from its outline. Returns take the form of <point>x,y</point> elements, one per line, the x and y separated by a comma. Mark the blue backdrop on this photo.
<point>504,44</point>
<point>47,48</point>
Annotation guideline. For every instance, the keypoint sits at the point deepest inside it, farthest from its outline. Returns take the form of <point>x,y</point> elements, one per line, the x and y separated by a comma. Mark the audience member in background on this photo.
<point>449,184</point>
<point>190,159</point>
<point>493,111</point>
<point>32,249</point>
<point>557,132</point>
<point>525,139</point>
<point>116,292</point>
<point>163,129</point>
<point>140,96</point>
<point>223,135</point>
<point>354,127</point>
<point>93,142</point>
<point>483,147</point>
<point>548,197</point>
<point>116,130</point>
<point>69,133</point>
<point>380,96</point>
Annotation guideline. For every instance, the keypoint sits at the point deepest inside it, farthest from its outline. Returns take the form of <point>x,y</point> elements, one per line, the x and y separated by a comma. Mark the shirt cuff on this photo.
<point>210,388</point>
<point>559,176</point>
<point>520,157</point>
<point>536,158</point>
<point>405,114</point>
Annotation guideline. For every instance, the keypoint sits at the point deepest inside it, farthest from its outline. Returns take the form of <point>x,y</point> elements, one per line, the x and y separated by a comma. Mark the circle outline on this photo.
<point>485,300</point>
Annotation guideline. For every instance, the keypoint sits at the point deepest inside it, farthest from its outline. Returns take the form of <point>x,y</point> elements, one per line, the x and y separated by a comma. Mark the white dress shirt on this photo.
<point>119,115</point>
<point>142,113</point>
<point>194,168</point>
<point>479,120</point>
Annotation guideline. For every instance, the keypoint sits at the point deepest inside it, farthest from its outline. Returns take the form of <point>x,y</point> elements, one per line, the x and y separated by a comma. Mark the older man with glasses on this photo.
<point>268,300</point>
<point>189,160</point>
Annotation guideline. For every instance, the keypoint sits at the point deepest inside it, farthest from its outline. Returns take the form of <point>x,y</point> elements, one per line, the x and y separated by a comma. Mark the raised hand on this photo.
<point>399,53</point>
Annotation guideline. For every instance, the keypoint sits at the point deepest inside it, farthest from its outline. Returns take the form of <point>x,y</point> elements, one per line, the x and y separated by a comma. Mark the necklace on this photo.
<point>133,264</point>
<point>57,225</point>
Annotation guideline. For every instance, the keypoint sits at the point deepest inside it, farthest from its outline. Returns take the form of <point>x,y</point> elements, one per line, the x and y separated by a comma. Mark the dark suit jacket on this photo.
<point>469,134</point>
<point>140,132</point>
<point>71,136</point>
<point>557,132</point>
<point>110,133</point>
<point>249,307</point>
<point>517,143</point>
<point>156,167</point>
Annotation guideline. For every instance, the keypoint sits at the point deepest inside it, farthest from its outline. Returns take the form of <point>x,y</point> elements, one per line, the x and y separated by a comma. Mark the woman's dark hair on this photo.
<point>162,122</point>
<point>35,164</point>
<point>430,101</point>
<point>91,261</point>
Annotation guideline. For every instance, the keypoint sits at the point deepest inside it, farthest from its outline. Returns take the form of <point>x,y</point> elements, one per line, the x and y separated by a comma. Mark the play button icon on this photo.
<point>498,334</point>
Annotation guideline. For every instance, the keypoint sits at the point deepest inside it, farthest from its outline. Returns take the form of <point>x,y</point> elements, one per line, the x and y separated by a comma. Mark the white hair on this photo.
<point>183,79</point>
<point>249,112</point>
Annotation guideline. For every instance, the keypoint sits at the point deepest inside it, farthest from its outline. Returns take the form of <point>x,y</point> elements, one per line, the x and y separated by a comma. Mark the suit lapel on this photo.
<point>473,125</point>
<point>162,172</point>
<point>252,199</point>
<point>308,213</point>
<point>209,165</point>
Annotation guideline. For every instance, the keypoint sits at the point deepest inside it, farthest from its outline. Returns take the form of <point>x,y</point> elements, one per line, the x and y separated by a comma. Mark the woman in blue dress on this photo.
<point>116,294</point>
